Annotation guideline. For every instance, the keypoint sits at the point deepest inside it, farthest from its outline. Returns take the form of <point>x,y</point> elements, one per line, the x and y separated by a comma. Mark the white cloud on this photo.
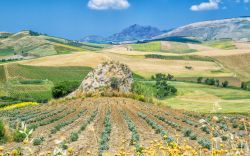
<point>108,4</point>
<point>210,5</point>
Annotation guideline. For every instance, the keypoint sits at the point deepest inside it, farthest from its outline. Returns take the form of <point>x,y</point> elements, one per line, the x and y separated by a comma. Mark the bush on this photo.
<point>225,84</point>
<point>210,81</point>
<point>64,88</point>
<point>244,85</point>
<point>19,137</point>
<point>199,79</point>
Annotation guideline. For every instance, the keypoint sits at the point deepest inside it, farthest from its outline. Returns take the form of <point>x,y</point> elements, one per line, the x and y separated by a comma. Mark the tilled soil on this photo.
<point>88,141</point>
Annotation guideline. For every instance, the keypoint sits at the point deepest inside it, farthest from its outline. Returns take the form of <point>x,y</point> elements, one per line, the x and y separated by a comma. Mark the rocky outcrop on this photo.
<point>110,76</point>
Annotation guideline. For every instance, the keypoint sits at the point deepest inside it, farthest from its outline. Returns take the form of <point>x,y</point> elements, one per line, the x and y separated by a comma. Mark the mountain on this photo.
<point>93,39</point>
<point>30,44</point>
<point>132,33</point>
<point>234,28</point>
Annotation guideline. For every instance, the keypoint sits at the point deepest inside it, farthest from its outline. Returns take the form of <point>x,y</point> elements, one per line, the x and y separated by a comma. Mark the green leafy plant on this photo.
<point>37,141</point>
<point>74,136</point>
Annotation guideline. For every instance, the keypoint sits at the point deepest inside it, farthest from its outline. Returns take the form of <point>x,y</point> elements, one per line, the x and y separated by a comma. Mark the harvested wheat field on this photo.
<point>98,126</point>
<point>137,63</point>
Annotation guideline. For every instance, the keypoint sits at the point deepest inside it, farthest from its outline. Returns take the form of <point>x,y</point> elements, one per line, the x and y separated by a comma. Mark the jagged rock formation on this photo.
<point>109,76</point>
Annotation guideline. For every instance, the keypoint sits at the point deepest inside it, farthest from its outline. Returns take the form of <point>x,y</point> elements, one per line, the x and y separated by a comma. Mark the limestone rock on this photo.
<point>109,75</point>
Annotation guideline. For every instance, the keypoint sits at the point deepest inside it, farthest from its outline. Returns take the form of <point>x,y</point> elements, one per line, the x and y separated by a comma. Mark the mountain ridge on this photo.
<point>233,28</point>
<point>134,32</point>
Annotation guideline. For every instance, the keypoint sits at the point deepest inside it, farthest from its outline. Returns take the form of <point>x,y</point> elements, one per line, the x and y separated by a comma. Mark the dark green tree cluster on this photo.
<point>244,86</point>
<point>213,82</point>
<point>163,89</point>
<point>64,88</point>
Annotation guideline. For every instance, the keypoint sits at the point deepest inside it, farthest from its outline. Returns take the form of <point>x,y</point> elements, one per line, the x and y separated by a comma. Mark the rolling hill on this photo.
<point>234,28</point>
<point>29,44</point>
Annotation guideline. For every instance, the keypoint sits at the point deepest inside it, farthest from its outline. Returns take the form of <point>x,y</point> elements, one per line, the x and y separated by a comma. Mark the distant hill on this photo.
<point>94,39</point>
<point>32,44</point>
<point>234,28</point>
<point>132,33</point>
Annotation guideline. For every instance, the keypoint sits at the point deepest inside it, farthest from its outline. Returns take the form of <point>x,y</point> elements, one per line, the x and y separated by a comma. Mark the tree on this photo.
<point>244,85</point>
<point>210,81</point>
<point>170,77</point>
<point>225,84</point>
<point>199,79</point>
<point>64,88</point>
<point>162,87</point>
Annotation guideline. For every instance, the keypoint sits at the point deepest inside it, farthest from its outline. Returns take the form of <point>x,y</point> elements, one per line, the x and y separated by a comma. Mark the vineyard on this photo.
<point>121,126</point>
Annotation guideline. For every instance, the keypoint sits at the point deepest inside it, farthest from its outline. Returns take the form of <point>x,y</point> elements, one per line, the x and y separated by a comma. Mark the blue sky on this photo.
<point>74,19</point>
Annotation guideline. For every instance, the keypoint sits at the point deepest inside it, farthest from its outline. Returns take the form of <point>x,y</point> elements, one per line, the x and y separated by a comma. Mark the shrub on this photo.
<point>225,84</point>
<point>199,79</point>
<point>74,136</point>
<point>210,81</point>
<point>64,88</point>
<point>244,85</point>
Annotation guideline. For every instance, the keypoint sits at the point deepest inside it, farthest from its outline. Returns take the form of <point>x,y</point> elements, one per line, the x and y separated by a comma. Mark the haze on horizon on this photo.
<point>79,18</point>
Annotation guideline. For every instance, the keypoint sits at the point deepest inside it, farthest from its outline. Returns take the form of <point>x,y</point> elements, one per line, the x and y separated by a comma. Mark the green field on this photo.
<point>147,47</point>
<point>158,46</point>
<point>203,98</point>
<point>6,51</point>
<point>54,74</point>
<point>180,57</point>
<point>30,92</point>
<point>32,83</point>
<point>221,44</point>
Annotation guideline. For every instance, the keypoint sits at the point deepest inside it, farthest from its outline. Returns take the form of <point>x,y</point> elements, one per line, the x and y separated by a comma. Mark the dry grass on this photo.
<point>90,59</point>
<point>140,65</point>
<point>239,64</point>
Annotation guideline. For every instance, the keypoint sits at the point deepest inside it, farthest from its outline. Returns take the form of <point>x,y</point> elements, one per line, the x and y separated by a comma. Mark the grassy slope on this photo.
<point>239,64</point>
<point>204,98</point>
<point>221,44</point>
<point>168,47</point>
<point>147,47</point>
